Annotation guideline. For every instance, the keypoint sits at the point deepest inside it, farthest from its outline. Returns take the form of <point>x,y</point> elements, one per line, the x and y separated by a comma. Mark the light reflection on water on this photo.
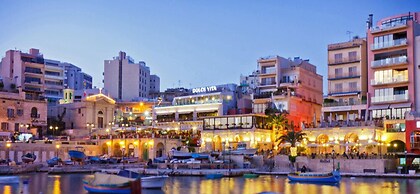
<point>72,183</point>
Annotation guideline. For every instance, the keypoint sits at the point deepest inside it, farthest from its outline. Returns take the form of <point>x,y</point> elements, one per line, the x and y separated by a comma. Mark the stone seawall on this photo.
<point>43,151</point>
<point>282,164</point>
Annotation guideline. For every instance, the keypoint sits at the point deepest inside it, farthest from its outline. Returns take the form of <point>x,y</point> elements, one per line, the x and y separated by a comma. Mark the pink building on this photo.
<point>393,67</point>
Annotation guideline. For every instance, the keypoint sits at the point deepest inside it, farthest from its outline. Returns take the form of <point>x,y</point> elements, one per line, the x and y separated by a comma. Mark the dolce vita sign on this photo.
<point>204,89</point>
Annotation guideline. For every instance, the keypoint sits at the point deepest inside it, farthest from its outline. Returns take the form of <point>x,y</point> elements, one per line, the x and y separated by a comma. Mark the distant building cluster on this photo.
<point>371,101</point>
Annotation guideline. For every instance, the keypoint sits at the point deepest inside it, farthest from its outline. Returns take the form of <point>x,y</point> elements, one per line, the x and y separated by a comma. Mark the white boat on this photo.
<point>242,150</point>
<point>147,182</point>
<point>181,154</point>
<point>9,180</point>
<point>153,182</point>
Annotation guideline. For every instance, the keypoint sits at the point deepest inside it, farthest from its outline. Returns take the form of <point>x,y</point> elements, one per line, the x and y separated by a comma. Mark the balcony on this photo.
<point>384,28</point>
<point>333,104</point>
<point>346,75</point>
<point>390,98</point>
<point>343,61</point>
<point>389,62</point>
<point>268,84</point>
<point>391,80</point>
<point>343,91</point>
<point>389,44</point>
<point>268,71</point>
<point>37,83</point>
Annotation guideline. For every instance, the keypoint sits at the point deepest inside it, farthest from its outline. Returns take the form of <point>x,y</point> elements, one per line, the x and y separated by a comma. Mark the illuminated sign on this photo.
<point>204,89</point>
<point>418,124</point>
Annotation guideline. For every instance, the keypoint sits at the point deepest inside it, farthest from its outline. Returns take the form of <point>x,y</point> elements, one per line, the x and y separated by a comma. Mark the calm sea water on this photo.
<point>72,184</point>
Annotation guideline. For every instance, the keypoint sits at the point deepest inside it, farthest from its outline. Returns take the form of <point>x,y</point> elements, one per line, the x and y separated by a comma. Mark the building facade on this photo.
<point>54,81</point>
<point>347,82</point>
<point>74,78</point>
<point>290,86</point>
<point>18,114</point>
<point>126,80</point>
<point>392,69</point>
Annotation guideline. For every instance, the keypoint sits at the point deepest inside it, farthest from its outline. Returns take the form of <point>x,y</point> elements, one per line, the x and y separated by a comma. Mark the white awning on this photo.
<point>377,107</point>
<point>401,105</point>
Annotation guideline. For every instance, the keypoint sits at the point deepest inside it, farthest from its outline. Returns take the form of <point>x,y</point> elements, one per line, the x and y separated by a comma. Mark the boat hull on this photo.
<point>214,176</point>
<point>9,180</point>
<point>315,177</point>
<point>251,175</point>
<point>99,189</point>
<point>76,155</point>
<point>153,182</point>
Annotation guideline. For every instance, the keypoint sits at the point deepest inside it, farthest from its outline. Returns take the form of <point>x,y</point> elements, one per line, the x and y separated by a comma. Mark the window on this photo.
<point>338,58</point>
<point>338,72</point>
<point>353,71</point>
<point>34,112</point>
<point>10,113</point>
<point>339,87</point>
<point>80,111</point>
<point>4,126</point>
<point>353,86</point>
<point>353,56</point>
<point>19,112</point>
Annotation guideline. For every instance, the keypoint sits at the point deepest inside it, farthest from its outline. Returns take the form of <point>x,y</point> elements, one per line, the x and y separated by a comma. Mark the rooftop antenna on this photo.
<point>179,83</point>
<point>349,33</point>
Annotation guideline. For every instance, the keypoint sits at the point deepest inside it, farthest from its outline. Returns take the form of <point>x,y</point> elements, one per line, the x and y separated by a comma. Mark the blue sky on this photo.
<point>199,43</point>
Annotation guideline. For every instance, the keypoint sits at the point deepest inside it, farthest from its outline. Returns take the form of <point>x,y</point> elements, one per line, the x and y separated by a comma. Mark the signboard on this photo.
<point>418,124</point>
<point>204,89</point>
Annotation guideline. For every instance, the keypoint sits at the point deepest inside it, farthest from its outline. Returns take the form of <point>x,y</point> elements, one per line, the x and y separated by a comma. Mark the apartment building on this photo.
<point>290,85</point>
<point>393,66</point>
<point>347,85</point>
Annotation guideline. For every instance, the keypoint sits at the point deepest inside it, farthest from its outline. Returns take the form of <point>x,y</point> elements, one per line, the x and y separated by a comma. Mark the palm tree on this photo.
<point>291,136</point>
<point>277,121</point>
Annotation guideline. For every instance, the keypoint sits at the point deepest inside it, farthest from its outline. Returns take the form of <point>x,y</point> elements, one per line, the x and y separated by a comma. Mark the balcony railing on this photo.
<point>343,60</point>
<point>388,27</point>
<point>389,61</point>
<point>344,75</point>
<point>390,98</point>
<point>344,90</point>
<point>267,83</point>
<point>388,44</point>
<point>391,80</point>
<point>268,71</point>
<point>350,103</point>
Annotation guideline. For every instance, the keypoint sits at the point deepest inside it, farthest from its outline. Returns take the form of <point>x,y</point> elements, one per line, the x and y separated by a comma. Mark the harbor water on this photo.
<point>72,184</point>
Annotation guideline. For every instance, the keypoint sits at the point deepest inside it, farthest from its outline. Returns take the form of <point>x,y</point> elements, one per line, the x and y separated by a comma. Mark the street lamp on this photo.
<point>333,157</point>
<point>8,145</point>
<point>89,126</point>
<point>57,149</point>
<point>406,164</point>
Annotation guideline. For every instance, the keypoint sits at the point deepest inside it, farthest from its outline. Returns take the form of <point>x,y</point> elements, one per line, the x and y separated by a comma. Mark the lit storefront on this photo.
<point>220,133</point>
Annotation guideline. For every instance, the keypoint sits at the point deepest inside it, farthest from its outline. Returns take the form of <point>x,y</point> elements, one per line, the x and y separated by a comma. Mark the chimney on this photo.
<point>34,51</point>
<point>122,55</point>
<point>369,22</point>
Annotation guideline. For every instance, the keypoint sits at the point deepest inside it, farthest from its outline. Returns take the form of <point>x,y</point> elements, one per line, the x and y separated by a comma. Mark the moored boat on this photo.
<point>28,157</point>
<point>9,179</point>
<point>76,155</point>
<point>251,175</point>
<point>109,183</point>
<point>214,176</point>
<point>181,154</point>
<point>53,161</point>
<point>329,177</point>
<point>147,182</point>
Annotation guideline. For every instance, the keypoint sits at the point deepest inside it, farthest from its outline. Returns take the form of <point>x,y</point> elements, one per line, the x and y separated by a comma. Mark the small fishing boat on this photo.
<point>214,176</point>
<point>329,177</point>
<point>199,156</point>
<point>251,175</point>
<point>53,161</point>
<point>147,182</point>
<point>181,154</point>
<point>9,180</point>
<point>28,157</point>
<point>109,183</point>
<point>77,155</point>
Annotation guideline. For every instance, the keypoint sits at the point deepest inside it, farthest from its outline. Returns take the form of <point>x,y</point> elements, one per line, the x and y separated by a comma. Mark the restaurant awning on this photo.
<point>401,105</point>
<point>377,107</point>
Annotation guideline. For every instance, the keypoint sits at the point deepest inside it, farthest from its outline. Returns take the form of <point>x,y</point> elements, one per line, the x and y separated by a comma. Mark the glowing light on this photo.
<point>395,145</point>
<point>208,139</point>
<point>8,145</point>
<point>141,104</point>
<point>136,143</point>
<point>108,143</point>
<point>121,143</point>
<point>268,139</point>
<point>246,139</point>
<point>57,146</point>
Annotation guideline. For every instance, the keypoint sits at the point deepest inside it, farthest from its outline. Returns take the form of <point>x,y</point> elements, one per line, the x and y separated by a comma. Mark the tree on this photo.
<point>277,121</point>
<point>293,137</point>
